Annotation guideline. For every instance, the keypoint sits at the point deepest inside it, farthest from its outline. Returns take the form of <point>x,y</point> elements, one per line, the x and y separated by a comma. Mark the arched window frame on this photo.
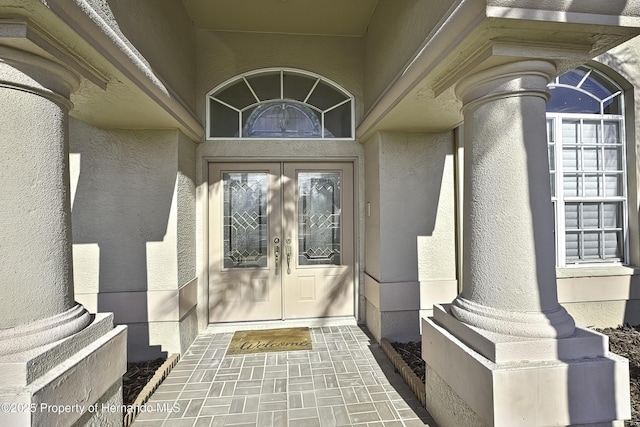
<point>244,79</point>
<point>558,174</point>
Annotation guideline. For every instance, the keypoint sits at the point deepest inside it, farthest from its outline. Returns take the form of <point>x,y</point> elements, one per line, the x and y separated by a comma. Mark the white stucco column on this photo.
<point>37,305</point>
<point>505,353</point>
<point>509,261</point>
<point>52,352</point>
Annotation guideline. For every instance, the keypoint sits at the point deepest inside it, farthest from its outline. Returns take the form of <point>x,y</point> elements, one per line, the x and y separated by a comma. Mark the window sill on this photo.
<point>596,271</point>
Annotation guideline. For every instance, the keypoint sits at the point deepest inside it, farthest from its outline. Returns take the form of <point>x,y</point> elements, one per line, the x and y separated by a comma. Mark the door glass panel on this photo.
<point>319,219</point>
<point>245,219</point>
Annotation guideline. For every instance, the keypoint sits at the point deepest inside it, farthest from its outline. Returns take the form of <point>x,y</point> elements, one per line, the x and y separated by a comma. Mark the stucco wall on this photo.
<point>161,33</point>
<point>223,55</point>
<point>396,32</point>
<point>417,221</point>
<point>410,230</point>
<point>133,216</point>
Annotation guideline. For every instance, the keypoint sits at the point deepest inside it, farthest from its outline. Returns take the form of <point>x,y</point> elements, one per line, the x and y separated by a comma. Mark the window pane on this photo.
<point>572,185</point>
<point>324,96</point>
<point>571,211</point>
<point>571,159</point>
<point>266,86</point>
<point>282,120</point>
<point>613,246</point>
<point>297,87</point>
<point>319,218</point>
<point>611,132</point>
<point>338,121</point>
<point>238,95</point>
<point>567,100</point>
<point>590,215</point>
<point>245,220</point>
<point>590,158</point>
<point>572,246</point>
<point>570,131</point>
<point>613,184</point>
<point>612,215</point>
<point>224,121</point>
<point>612,158</point>
<point>573,77</point>
<point>592,186</point>
<point>590,132</point>
<point>591,245</point>
<point>613,106</point>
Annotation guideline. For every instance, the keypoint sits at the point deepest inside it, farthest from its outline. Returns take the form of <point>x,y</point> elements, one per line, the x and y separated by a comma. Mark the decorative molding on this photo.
<point>511,51</point>
<point>24,34</point>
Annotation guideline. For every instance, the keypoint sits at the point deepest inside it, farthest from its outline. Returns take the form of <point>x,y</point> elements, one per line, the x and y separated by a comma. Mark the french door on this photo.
<point>281,241</point>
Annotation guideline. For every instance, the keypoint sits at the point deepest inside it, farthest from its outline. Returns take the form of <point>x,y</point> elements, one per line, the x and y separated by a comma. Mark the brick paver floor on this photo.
<point>346,380</point>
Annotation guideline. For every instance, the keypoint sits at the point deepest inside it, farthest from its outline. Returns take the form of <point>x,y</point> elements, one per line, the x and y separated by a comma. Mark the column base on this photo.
<point>66,381</point>
<point>465,388</point>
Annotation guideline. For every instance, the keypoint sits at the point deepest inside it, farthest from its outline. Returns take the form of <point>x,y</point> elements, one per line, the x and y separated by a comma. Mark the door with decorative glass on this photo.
<point>281,241</point>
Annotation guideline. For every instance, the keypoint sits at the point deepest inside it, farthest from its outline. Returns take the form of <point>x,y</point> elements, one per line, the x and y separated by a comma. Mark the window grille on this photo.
<point>587,163</point>
<point>280,103</point>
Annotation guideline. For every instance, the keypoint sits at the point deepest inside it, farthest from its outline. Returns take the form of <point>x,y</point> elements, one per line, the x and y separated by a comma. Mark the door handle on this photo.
<point>276,251</point>
<point>287,249</point>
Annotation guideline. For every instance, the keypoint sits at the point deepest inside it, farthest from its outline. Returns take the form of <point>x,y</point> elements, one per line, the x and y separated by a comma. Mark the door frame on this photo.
<point>358,222</point>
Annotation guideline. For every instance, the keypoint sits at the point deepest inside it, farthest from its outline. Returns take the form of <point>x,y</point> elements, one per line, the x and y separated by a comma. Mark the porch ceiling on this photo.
<point>320,17</point>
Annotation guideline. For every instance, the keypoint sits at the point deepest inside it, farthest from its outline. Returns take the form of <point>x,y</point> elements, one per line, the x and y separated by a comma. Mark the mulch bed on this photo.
<point>137,376</point>
<point>624,341</point>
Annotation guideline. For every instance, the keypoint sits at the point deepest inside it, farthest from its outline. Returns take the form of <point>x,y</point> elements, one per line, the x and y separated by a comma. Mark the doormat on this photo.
<point>266,340</point>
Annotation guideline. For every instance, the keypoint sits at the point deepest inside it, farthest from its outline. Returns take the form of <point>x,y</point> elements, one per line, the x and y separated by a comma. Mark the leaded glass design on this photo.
<point>282,120</point>
<point>280,103</point>
<point>319,218</point>
<point>585,131</point>
<point>245,219</point>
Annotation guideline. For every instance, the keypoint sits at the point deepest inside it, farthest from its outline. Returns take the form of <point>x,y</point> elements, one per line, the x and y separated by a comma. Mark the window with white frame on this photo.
<point>280,103</point>
<point>587,161</point>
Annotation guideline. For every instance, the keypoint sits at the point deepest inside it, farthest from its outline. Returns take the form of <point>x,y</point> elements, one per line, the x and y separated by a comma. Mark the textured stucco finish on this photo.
<point>222,56</point>
<point>396,32</point>
<point>416,242</point>
<point>125,204</point>
<point>163,34</point>
<point>508,242</point>
<point>35,257</point>
<point>414,171</point>
<point>134,230</point>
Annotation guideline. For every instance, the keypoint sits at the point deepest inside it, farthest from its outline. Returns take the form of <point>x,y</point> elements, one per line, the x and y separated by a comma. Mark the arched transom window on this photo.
<point>587,160</point>
<point>279,103</point>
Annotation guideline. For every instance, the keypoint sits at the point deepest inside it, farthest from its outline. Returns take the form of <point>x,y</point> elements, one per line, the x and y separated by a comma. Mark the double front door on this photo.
<point>281,241</point>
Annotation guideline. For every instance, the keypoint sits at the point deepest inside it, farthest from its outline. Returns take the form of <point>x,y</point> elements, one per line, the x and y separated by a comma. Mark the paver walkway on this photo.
<point>346,380</point>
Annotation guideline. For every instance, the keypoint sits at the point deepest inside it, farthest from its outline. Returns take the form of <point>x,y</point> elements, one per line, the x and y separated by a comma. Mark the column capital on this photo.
<point>28,72</point>
<point>521,78</point>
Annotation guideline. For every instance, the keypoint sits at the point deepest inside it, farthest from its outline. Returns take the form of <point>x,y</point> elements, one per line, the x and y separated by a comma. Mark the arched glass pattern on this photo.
<point>279,103</point>
<point>587,162</point>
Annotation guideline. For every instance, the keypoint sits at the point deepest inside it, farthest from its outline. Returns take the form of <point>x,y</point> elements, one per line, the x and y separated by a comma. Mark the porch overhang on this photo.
<point>477,35</point>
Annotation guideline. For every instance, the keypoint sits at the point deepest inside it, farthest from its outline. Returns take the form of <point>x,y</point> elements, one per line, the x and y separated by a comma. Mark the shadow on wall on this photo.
<point>121,204</point>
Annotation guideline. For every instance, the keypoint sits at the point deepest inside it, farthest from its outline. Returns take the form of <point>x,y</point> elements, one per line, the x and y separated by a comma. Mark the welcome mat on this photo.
<point>265,340</point>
